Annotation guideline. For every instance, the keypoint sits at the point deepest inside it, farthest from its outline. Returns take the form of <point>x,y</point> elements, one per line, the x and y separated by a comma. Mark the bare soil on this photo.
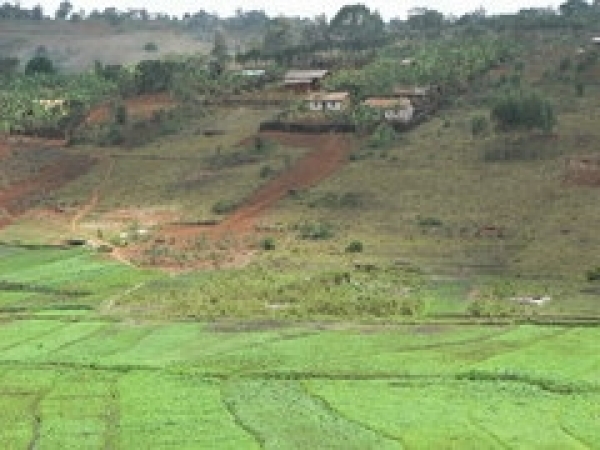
<point>22,194</point>
<point>140,107</point>
<point>232,242</point>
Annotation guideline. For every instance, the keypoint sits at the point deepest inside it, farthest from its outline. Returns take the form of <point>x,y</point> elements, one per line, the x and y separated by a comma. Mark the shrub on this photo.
<point>150,47</point>
<point>430,222</point>
<point>315,231</point>
<point>593,274</point>
<point>266,171</point>
<point>355,247</point>
<point>383,136</point>
<point>523,111</point>
<point>39,64</point>
<point>267,243</point>
<point>223,207</point>
<point>479,125</point>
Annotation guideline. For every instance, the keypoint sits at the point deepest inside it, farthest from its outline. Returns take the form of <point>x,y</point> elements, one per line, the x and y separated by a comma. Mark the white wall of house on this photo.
<point>401,115</point>
<point>325,105</point>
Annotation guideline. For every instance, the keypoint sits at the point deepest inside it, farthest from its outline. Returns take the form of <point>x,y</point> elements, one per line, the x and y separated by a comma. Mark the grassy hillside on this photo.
<point>75,46</point>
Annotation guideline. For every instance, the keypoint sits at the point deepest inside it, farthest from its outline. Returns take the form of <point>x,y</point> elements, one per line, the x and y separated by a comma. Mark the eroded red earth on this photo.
<point>327,154</point>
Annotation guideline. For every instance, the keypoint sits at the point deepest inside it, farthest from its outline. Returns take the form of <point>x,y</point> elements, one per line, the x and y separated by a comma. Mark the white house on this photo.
<point>393,109</point>
<point>596,40</point>
<point>328,101</point>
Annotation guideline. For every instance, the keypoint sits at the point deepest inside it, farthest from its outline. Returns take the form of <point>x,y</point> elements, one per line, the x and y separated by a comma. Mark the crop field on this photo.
<point>46,280</point>
<point>96,384</point>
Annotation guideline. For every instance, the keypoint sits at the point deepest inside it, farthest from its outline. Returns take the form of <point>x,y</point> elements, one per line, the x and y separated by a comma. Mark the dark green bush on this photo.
<point>430,222</point>
<point>355,247</point>
<point>150,47</point>
<point>315,231</point>
<point>267,243</point>
<point>224,207</point>
<point>266,171</point>
<point>523,111</point>
<point>479,125</point>
<point>593,274</point>
<point>39,64</point>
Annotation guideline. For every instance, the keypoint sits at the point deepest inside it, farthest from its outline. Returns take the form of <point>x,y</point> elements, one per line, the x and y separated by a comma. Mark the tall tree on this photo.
<point>356,26</point>
<point>220,50</point>
<point>64,9</point>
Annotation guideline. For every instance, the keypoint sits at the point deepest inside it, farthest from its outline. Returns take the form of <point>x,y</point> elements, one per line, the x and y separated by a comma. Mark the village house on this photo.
<point>253,72</point>
<point>596,40</point>
<point>304,80</point>
<point>328,101</point>
<point>392,109</point>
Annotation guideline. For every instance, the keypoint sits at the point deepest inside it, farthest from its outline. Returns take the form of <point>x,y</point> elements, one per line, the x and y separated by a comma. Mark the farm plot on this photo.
<point>97,384</point>
<point>55,279</point>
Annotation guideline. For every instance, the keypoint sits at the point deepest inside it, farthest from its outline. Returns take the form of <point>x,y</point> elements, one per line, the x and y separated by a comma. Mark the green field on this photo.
<point>96,384</point>
<point>394,307</point>
<point>87,362</point>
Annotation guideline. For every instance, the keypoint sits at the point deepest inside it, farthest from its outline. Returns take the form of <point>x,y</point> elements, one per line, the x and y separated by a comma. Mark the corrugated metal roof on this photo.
<point>387,102</point>
<point>305,75</point>
<point>328,96</point>
<point>412,91</point>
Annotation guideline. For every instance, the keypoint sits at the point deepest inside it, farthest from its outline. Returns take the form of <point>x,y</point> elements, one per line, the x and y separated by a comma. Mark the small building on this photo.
<point>414,91</point>
<point>328,101</point>
<point>253,73</point>
<point>596,40</point>
<point>393,109</point>
<point>304,80</point>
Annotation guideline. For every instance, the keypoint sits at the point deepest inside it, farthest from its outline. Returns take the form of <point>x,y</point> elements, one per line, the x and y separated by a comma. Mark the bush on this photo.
<point>267,243</point>
<point>383,136</point>
<point>355,247</point>
<point>39,64</point>
<point>266,171</point>
<point>523,111</point>
<point>430,222</point>
<point>593,274</point>
<point>224,207</point>
<point>150,47</point>
<point>315,231</point>
<point>479,125</point>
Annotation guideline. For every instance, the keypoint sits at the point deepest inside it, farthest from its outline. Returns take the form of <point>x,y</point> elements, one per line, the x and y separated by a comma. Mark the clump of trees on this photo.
<point>523,110</point>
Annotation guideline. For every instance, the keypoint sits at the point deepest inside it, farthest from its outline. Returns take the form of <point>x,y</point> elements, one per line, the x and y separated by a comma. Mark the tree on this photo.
<point>39,64</point>
<point>574,8</point>
<point>278,37</point>
<point>356,26</point>
<point>220,50</point>
<point>64,9</point>
<point>37,12</point>
<point>425,19</point>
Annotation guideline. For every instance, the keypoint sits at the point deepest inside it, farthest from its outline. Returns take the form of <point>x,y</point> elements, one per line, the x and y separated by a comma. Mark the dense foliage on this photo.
<point>450,63</point>
<point>523,111</point>
<point>20,96</point>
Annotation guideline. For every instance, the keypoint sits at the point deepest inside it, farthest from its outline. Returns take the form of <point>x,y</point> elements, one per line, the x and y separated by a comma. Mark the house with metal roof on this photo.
<point>328,101</point>
<point>304,80</point>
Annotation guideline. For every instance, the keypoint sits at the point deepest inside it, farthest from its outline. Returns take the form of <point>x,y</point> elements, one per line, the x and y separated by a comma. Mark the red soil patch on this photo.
<point>140,107</point>
<point>329,154</point>
<point>234,239</point>
<point>17,198</point>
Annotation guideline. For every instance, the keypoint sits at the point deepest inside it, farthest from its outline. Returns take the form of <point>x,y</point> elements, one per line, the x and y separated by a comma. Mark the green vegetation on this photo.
<point>440,289</point>
<point>100,383</point>
<point>523,110</point>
